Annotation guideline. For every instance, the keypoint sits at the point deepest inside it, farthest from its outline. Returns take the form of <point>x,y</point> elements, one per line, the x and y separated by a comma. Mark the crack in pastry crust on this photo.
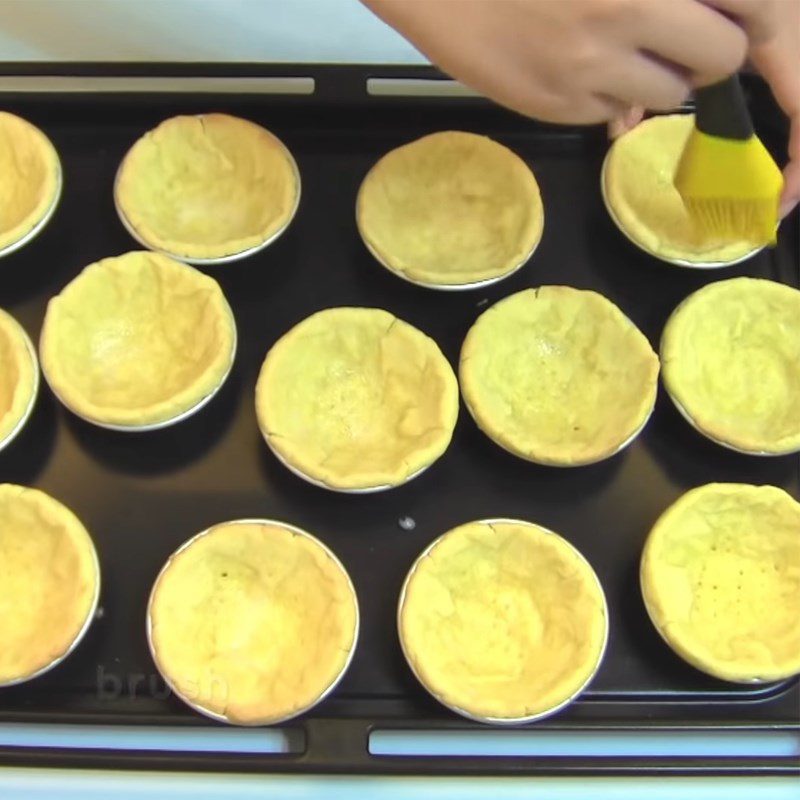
<point>356,398</point>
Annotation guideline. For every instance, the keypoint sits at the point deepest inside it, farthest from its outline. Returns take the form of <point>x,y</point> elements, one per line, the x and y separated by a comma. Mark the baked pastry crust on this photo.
<point>252,621</point>
<point>31,178</point>
<point>638,178</point>
<point>558,375</point>
<point>207,186</point>
<point>355,398</point>
<point>449,209</point>
<point>720,577</point>
<point>137,340</point>
<point>19,375</point>
<point>503,620</point>
<point>731,355</point>
<point>49,581</point>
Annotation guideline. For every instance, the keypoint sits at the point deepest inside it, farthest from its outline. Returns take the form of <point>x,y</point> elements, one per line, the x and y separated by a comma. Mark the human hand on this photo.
<point>778,60</point>
<point>777,57</point>
<point>582,61</point>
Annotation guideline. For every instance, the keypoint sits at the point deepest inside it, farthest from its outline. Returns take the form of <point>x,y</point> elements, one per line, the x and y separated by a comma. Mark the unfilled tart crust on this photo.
<point>450,208</point>
<point>253,622</point>
<point>30,173</point>
<point>137,340</point>
<point>731,355</point>
<point>18,375</point>
<point>503,620</point>
<point>639,187</point>
<point>355,398</point>
<point>207,186</point>
<point>49,581</point>
<point>558,375</point>
<point>720,576</point>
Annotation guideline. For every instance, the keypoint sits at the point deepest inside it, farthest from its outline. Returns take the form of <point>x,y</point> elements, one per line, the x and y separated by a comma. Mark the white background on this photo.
<point>340,31</point>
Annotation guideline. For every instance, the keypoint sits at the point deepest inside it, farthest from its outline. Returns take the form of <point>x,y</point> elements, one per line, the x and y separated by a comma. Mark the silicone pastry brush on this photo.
<point>728,181</point>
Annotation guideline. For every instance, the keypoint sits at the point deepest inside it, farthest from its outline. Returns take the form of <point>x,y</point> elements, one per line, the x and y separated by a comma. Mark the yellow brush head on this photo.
<point>731,187</point>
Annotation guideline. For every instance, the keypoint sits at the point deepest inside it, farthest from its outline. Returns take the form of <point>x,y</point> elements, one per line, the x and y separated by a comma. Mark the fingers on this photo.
<point>791,174</point>
<point>640,80</point>
<point>517,89</point>
<point>760,18</point>
<point>791,188</point>
<point>778,60</point>
<point>705,44</point>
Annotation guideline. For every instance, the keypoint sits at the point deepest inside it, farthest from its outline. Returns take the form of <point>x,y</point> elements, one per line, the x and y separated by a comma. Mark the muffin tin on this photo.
<point>142,496</point>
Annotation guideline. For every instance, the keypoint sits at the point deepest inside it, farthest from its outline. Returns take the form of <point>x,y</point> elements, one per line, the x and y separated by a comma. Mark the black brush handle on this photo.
<point>720,110</point>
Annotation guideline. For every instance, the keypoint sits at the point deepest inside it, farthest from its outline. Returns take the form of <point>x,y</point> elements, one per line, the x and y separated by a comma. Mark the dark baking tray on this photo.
<point>142,495</point>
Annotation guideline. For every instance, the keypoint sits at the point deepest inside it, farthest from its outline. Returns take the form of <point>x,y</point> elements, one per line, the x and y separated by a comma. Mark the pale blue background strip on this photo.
<point>108,737</point>
<point>533,743</point>
<point>388,742</point>
<point>77,785</point>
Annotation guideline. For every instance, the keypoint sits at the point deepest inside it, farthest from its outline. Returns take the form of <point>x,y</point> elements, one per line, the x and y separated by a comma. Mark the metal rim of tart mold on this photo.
<point>41,224</point>
<point>227,259</point>
<point>759,453</point>
<point>166,423</point>
<point>651,616</point>
<point>503,721</point>
<point>322,485</point>
<point>91,615</point>
<point>23,420</point>
<point>293,529</point>
<point>564,465</point>
<point>688,417</point>
<point>444,287</point>
<point>678,262</point>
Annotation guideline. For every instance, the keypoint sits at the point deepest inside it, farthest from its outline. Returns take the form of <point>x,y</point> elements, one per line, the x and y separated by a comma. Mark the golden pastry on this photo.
<point>31,178</point>
<point>731,355</point>
<point>207,186</point>
<point>720,577</point>
<point>49,582</point>
<point>503,621</point>
<point>252,622</point>
<point>137,340</point>
<point>637,178</point>
<point>558,375</point>
<point>354,398</point>
<point>19,377</point>
<point>450,209</point>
